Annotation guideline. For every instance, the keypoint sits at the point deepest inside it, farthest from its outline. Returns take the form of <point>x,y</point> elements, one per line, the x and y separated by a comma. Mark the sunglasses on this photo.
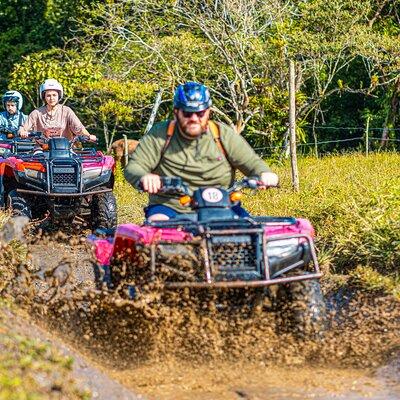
<point>188,114</point>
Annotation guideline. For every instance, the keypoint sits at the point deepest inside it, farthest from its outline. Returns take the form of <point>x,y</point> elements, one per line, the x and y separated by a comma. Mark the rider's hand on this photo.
<point>269,179</point>
<point>93,138</point>
<point>151,183</point>
<point>22,133</point>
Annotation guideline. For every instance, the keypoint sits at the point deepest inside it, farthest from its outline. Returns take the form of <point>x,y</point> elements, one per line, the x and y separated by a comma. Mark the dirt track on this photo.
<point>358,359</point>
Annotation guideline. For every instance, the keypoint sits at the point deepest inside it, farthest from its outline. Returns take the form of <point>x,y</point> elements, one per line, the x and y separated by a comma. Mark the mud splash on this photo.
<point>181,345</point>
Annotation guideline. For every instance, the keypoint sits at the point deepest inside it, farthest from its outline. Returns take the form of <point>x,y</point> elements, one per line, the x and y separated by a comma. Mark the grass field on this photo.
<point>353,201</point>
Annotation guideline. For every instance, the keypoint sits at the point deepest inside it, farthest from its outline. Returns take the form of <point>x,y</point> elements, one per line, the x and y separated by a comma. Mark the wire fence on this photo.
<point>341,139</point>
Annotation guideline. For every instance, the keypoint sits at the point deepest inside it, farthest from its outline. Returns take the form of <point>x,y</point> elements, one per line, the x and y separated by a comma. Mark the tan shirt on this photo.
<point>61,122</point>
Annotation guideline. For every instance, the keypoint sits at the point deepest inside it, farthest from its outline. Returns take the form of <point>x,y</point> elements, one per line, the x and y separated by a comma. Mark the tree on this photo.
<point>30,26</point>
<point>68,67</point>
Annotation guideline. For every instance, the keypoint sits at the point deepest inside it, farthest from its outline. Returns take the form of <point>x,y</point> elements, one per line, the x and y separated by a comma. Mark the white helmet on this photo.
<point>51,84</point>
<point>14,96</point>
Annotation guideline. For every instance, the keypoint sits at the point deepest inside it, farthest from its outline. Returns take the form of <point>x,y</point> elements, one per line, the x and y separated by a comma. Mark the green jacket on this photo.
<point>199,162</point>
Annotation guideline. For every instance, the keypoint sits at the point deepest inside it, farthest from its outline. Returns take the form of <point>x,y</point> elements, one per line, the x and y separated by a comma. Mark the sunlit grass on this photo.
<point>32,369</point>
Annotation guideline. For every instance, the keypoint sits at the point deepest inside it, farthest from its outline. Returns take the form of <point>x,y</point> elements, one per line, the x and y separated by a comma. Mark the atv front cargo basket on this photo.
<point>258,255</point>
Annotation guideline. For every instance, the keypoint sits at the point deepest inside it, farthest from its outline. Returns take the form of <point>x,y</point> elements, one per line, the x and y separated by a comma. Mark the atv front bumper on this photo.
<point>226,259</point>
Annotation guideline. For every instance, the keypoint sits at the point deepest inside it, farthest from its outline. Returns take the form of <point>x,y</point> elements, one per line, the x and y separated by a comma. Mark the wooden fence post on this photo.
<point>367,137</point>
<point>125,150</point>
<point>292,127</point>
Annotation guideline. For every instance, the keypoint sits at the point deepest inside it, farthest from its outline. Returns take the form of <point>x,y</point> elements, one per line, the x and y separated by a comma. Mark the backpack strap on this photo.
<point>170,133</point>
<point>214,128</point>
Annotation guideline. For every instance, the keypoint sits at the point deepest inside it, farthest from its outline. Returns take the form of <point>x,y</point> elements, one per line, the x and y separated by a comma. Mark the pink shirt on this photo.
<point>62,121</point>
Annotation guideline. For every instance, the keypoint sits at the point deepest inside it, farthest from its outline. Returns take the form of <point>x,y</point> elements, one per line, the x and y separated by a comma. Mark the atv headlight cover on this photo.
<point>33,173</point>
<point>92,173</point>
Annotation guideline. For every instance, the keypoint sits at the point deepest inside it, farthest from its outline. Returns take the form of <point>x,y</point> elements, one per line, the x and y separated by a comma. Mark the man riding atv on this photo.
<point>12,118</point>
<point>198,238</point>
<point>200,151</point>
<point>53,118</point>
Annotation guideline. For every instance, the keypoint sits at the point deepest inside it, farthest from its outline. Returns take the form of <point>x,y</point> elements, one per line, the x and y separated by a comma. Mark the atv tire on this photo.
<point>303,308</point>
<point>104,211</point>
<point>18,204</point>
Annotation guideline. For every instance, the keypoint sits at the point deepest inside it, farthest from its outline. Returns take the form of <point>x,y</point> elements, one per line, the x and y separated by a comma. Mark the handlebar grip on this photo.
<point>35,134</point>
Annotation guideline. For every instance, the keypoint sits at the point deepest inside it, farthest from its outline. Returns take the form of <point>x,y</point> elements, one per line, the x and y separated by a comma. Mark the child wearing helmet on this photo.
<point>53,118</point>
<point>12,117</point>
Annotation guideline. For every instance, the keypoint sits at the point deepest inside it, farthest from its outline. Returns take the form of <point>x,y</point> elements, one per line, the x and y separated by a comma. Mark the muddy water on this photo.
<point>185,352</point>
<point>223,381</point>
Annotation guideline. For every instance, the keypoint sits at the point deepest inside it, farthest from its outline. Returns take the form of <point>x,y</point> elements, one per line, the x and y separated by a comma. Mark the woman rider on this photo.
<point>53,118</point>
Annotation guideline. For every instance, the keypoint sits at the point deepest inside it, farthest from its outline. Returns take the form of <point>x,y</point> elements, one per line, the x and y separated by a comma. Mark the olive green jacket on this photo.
<point>199,162</point>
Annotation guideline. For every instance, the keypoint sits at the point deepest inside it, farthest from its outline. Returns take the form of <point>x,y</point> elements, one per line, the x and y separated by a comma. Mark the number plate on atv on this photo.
<point>64,170</point>
<point>212,195</point>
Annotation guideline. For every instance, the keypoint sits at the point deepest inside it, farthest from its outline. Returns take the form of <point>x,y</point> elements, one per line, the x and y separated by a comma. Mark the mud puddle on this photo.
<point>169,353</point>
<point>223,381</point>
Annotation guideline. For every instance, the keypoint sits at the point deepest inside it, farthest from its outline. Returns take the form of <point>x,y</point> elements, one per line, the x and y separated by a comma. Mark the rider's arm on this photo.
<point>145,158</point>
<point>244,158</point>
<point>24,118</point>
<point>29,124</point>
<point>91,137</point>
<point>240,153</point>
<point>75,125</point>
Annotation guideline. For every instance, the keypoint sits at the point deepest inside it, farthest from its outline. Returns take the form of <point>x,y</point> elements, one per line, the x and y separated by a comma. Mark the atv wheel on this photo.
<point>18,204</point>
<point>104,211</point>
<point>303,308</point>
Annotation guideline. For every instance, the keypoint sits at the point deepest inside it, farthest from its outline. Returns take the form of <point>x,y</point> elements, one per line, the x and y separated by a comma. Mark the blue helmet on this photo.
<point>15,97</point>
<point>192,97</point>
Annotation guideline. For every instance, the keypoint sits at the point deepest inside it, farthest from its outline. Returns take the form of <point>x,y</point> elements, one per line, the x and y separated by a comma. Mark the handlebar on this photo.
<point>83,139</point>
<point>8,131</point>
<point>41,135</point>
<point>175,185</point>
<point>35,134</point>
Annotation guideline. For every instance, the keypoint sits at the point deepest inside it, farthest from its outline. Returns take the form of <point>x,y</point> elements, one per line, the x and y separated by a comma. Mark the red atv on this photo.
<point>59,179</point>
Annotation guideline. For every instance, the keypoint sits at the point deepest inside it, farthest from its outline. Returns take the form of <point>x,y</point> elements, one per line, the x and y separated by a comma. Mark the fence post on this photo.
<point>292,127</point>
<point>125,150</point>
<point>367,136</point>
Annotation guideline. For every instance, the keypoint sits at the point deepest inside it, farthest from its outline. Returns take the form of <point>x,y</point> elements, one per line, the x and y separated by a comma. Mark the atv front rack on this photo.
<point>264,271</point>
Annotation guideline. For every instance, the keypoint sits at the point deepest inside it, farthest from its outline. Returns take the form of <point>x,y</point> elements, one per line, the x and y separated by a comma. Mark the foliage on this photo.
<point>29,26</point>
<point>346,51</point>
<point>116,105</point>
<point>69,68</point>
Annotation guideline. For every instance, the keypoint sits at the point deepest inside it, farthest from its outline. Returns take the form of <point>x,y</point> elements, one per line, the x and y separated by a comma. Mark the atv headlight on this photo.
<point>283,247</point>
<point>92,173</point>
<point>33,173</point>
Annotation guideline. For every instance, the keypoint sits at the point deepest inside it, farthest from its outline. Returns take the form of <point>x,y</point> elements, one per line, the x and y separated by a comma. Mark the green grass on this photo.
<point>353,201</point>
<point>31,369</point>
